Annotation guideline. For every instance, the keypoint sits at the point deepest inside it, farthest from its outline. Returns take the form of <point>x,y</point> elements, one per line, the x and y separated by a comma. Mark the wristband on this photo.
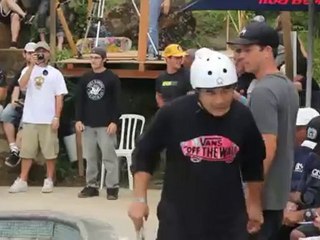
<point>140,200</point>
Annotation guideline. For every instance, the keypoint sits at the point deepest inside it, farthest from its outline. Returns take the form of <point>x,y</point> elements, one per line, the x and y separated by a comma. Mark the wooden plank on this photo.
<point>15,50</point>
<point>128,61</point>
<point>286,28</point>
<point>122,73</point>
<point>89,8</point>
<point>53,31</point>
<point>66,29</point>
<point>79,153</point>
<point>143,30</point>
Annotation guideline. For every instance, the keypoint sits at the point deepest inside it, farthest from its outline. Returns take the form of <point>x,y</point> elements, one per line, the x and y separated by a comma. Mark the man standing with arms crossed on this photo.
<point>274,103</point>
<point>45,88</point>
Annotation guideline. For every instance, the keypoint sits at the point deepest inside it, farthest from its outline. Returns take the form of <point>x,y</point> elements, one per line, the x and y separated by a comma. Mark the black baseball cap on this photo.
<point>100,51</point>
<point>313,133</point>
<point>257,33</point>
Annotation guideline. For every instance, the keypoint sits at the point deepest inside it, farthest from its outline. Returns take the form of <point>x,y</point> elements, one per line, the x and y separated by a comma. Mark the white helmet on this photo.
<point>211,69</point>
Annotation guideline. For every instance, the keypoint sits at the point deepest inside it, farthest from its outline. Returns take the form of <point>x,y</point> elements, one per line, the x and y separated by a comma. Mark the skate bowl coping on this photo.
<point>47,225</point>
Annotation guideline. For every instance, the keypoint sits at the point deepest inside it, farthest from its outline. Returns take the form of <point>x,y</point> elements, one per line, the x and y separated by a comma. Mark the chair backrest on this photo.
<point>132,126</point>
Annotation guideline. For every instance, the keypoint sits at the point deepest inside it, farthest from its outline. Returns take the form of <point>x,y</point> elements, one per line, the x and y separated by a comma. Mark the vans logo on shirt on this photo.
<point>298,167</point>
<point>95,89</point>
<point>315,173</point>
<point>212,148</point>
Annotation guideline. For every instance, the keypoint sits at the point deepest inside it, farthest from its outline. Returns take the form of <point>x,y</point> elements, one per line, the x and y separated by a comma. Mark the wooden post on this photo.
<point>228,31</point>
<point>143,31</point>
<point>286,28</point>
<point>53,31</point>
<point>66,29</point>
<point>89,7</point>
<point>79,153</point>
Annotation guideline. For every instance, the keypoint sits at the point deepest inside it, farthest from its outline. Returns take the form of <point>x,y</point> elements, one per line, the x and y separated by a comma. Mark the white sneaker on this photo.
<point>18,186</point>
<point>47,186</point>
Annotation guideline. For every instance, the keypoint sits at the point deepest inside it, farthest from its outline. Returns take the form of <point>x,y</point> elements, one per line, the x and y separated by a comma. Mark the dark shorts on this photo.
<point>174,227</point>
<point>309,230</point>
<point>5,19</point>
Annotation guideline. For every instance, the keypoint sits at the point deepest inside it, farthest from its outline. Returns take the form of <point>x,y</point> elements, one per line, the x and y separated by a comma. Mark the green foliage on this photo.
<point>111,3</point>
<point>209,24</point>
<point>79,23</point>
<point>316,53</point>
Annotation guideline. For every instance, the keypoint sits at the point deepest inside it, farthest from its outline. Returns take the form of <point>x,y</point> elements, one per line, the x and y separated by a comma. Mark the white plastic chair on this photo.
<point>129,133</point>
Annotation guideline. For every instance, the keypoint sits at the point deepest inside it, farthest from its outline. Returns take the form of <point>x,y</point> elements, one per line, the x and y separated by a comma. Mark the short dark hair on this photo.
<point>274,50</point>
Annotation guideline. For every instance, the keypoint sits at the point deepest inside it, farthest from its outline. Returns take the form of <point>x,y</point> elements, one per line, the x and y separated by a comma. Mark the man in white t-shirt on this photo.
<point>45,87</point>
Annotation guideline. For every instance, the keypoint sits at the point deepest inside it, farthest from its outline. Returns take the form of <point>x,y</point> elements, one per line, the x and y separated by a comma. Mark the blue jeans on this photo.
<point>154,13</point>
<point>43,13</point>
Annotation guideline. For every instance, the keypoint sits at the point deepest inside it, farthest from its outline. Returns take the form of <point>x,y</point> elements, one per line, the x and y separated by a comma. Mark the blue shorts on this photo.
<point>11,115</point>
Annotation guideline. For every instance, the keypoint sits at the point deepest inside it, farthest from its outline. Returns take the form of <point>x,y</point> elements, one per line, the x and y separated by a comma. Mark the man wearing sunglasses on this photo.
<point>274,103</point>
<point>213,144</point>
<point>175,81</point>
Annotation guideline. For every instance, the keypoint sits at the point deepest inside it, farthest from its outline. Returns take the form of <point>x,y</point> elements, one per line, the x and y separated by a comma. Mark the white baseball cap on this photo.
<point>30,47</point>
<point>305,115</point>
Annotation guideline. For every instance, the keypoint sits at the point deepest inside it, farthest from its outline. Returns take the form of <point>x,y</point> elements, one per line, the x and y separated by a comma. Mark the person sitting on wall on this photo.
<point>155,8</point>
<point>3,87</point>
<point>12,113</point>
<point>11,13</point>
<point>43,13</point>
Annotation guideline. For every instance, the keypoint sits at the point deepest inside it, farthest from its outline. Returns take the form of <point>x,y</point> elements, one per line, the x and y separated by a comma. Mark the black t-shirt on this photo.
<point>98,99</point>
<point>172,86</point>
<point>207,157</point>
<point>15,83</point>
<point>244,82</point>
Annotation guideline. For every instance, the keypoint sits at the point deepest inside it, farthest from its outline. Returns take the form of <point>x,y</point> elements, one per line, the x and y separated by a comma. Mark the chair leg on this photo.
<point>130,177</point>
<point>103,173</point>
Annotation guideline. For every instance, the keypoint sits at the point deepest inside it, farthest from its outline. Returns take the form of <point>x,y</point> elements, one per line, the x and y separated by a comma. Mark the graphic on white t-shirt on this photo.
<point>39,81</point>
<point>42,90</point>
<point>95,89</point>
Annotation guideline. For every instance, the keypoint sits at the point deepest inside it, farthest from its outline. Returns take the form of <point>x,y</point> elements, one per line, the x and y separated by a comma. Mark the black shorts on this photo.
<point>5,19</point>
<point>172,227</point>
<point>309,230</point>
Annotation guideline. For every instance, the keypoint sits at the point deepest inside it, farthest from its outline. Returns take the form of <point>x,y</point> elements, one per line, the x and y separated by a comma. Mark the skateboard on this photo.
<point>111,44</point>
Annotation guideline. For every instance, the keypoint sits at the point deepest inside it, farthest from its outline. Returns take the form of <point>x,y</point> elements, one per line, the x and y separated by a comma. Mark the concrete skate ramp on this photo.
<point>47,225</point>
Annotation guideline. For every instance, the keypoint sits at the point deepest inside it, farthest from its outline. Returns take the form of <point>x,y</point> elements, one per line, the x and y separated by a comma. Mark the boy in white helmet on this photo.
<point>209,138</point>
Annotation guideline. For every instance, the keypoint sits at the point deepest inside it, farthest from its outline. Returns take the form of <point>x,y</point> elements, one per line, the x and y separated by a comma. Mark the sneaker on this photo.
<point>28,19</point>
<point>13,45</point>
<point>88,192</point>
<point>18,186</point>
<point>47,186</point>
<point>112,193</point>
<point>13,160</point>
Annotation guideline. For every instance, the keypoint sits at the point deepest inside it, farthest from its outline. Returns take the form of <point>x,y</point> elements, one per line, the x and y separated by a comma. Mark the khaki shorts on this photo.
<point>39,135</point>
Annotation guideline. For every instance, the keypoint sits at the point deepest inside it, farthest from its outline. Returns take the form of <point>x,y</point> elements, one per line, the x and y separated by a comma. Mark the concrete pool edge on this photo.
<point>89,229</point>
